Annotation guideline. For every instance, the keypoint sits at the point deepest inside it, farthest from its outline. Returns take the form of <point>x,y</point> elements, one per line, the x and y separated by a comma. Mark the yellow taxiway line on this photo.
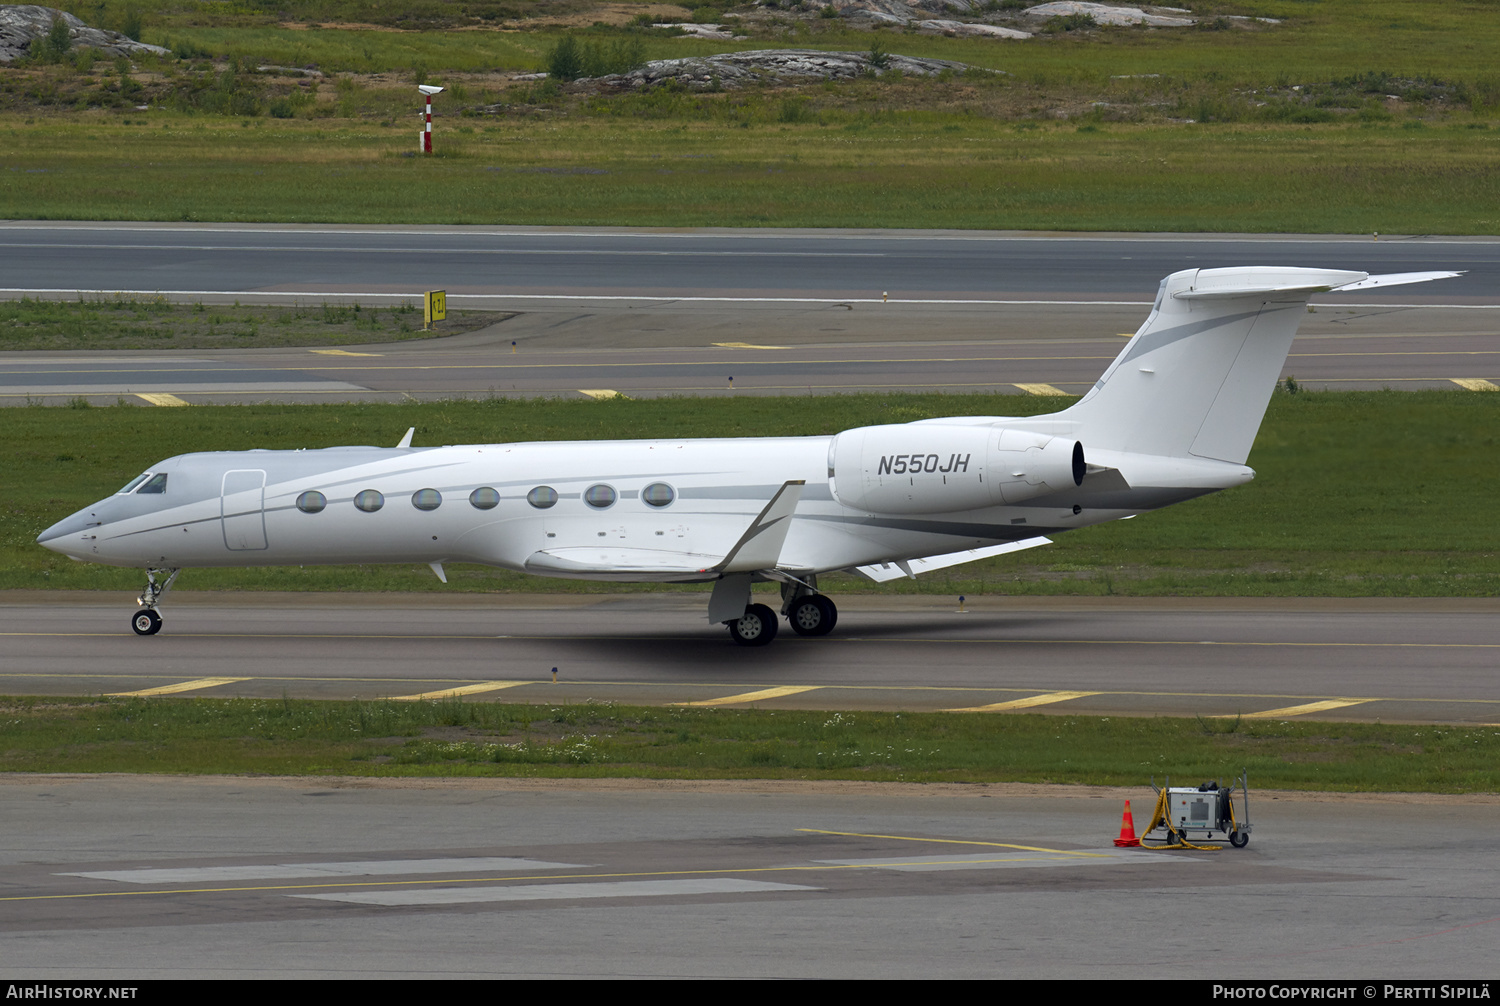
<point>160,398</point>
<point>1042,390</point>
<point>1475,383</point>
<point>181,686</point>
<point>1026,703</point>
<point>1302,710</point>
<point>453,693</point>
<point>764,693</point>
<point>958,841</point>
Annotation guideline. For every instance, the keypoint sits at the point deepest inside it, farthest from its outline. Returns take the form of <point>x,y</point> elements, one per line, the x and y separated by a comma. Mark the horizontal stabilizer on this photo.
<point>1398,279</point>
<point>883,571</point>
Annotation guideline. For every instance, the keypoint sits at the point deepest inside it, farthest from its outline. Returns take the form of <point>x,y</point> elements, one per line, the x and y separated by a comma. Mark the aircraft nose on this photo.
<point>69,528</point>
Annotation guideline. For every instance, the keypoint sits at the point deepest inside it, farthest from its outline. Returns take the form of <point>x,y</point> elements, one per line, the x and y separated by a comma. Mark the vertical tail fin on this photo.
<point>1196,379</point>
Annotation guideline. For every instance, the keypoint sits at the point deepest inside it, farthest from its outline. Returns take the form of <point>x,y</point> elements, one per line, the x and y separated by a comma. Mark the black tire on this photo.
<point>1239,839</point>
<point>756,627</point>
<point>146,622</point>
<point>813,615</point>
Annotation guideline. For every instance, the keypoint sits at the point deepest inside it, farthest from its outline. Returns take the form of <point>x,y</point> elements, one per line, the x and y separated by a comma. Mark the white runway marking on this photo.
<point>123,385</point>
<point>557,892</point>
<point>295,871</point>
<point>1002,860</point>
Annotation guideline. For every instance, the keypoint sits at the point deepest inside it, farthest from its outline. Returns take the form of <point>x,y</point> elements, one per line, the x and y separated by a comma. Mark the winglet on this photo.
<point>406,440</point>
<point>760,546</point>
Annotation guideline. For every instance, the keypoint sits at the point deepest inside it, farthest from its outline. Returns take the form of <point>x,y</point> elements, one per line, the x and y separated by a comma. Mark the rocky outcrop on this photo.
<point>968,30</point>
<point>918,13</point>
<point>736,69</point>
<point>23,24</point>
<point>1106,14</point>
<point>689,29</point>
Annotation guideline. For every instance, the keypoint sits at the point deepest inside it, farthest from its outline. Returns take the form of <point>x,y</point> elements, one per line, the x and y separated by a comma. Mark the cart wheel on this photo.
<point>1239,839</point>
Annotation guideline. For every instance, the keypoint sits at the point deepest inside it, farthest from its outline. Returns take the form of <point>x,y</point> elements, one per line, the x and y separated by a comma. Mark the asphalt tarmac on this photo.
<point>135,877</point>
<point>646,313</point>
<point>1329,659</point>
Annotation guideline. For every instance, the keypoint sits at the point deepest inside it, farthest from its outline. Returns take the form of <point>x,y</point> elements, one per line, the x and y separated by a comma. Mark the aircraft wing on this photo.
<point>880,572</point>
<point>618,560</point>
<point>757,549</point>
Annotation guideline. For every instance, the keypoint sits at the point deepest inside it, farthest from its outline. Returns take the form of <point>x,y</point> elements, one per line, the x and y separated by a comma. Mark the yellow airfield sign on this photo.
<point>434,307</point>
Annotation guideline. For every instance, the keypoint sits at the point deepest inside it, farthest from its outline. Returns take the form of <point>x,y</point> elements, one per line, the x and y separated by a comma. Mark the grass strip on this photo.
<point>602,740</point>
<point>131,322</point>
<point>876,168</point>
<point>1357,493</point>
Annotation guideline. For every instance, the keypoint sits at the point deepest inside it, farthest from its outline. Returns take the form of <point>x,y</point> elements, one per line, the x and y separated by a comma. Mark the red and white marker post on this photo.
<point>424,138</point>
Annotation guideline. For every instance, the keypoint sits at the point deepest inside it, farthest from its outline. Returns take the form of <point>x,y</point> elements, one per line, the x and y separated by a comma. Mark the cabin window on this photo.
<point>658,494</point>
<point>155,485</point>
<point>484,498</point>
<point>369,500</point>
<point>312,501</point>
<point>542,497</point>
<point>599,497</point>
<point>426,499</point>
<point>130,486</point>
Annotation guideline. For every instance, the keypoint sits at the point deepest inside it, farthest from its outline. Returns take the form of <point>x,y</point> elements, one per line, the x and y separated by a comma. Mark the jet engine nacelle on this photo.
<point>932,468</point>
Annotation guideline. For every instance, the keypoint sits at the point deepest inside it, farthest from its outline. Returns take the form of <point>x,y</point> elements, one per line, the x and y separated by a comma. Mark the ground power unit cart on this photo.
<point>1185,816</point>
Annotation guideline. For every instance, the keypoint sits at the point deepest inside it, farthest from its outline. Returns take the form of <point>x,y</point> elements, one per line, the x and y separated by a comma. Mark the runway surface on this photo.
<point>1328,659</point>
<point>313,259</point>
<point>133,877</point>
<point>645,313</point>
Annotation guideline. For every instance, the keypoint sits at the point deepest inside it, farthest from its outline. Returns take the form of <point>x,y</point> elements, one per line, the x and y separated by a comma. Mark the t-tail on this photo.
<point>1195,381</point>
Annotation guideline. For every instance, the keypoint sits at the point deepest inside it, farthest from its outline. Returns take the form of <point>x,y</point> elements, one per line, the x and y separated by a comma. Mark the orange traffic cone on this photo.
<point>1127,837</point>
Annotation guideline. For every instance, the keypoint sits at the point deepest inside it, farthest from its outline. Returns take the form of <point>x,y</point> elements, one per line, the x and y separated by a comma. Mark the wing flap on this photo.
<point>881,572</point>
<point>604,560</point>
<point>757,549</point>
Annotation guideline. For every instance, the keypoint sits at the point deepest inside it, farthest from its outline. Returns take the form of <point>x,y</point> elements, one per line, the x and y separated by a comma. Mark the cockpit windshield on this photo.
<point>156,484</point>
<point>130,486</point>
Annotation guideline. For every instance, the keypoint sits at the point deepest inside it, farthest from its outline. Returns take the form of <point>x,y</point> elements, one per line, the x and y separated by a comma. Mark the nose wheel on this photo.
<point>147,621</point>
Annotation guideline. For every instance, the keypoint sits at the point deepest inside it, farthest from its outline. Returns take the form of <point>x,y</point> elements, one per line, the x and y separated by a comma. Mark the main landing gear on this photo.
<point>807,612</point>
<point>147,621</point>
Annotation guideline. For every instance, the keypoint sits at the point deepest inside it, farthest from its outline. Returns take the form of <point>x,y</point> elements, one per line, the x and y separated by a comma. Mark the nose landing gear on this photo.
<point>147,621</point>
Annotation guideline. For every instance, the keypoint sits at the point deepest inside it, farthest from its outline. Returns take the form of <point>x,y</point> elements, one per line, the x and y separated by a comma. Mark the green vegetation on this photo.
<point>127,322</point>
<point>382,738</point>
<point>1358,493</point>
<point>744,164</point>
<point>571,59</point>
<point>1347,117</point>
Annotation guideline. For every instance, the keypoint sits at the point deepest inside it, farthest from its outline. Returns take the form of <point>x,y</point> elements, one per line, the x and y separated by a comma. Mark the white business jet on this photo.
<point>1172,418</point>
